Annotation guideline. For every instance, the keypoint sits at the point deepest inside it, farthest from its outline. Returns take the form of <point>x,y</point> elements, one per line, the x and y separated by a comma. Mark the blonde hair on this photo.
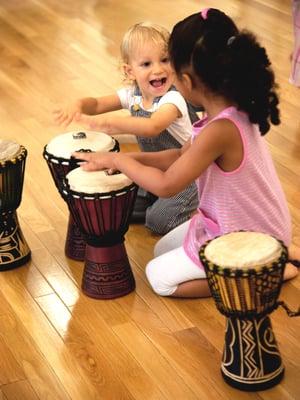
<point>140,33</point>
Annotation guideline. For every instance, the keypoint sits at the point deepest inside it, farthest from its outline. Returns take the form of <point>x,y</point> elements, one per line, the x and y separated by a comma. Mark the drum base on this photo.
<point>75,244</point>
<point>14,250</point>
<point>251,359</point>
<point>253,387</point>
<point>107,273</point>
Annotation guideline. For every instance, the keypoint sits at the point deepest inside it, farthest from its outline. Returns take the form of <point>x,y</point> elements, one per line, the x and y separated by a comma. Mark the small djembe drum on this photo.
<point>14,250</point>
<point>58,154</point>
<point>245,271</point>
<point>101,205</point>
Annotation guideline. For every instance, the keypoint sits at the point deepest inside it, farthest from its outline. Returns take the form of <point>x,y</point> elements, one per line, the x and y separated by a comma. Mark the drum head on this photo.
<point>96,181</point>
<point>8,150</point>
<point>243,250</point>
<point>64,145</point>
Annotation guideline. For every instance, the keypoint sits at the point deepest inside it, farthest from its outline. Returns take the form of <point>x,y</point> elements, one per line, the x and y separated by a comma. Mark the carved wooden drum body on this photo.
<point>101,206</point>
<point>58,153</point>
<point>14,250</point>
<point>245,271</point>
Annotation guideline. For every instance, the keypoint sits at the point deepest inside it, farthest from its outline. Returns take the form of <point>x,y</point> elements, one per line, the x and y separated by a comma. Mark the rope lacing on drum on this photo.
<point>287,309</point>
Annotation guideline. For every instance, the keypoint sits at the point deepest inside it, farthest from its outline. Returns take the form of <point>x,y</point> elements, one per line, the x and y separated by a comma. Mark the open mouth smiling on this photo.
<point>158,82</point>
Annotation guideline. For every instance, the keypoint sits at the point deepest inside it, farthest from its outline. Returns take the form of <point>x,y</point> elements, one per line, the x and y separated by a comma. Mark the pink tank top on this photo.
<point>249,198</point>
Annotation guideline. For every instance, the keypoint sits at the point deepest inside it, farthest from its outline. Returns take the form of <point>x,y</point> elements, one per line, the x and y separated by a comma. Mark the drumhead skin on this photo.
<point>62,146</point>
<point>243,250</point>
<point>8,150</point>
<point>96,181</point>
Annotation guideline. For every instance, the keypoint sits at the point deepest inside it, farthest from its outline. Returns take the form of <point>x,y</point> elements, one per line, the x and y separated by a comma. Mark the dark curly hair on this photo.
<point>229,62</point>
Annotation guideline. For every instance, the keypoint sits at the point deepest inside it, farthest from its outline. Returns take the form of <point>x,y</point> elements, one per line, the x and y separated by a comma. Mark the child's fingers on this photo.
<point>81,155</point>
<point>60,118</point>
<point>77,116</point>
<point>85,121</point>
<point>67,120</point>
<point>57,115</point>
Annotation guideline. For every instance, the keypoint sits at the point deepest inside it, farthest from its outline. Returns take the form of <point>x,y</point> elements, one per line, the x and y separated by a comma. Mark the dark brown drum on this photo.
<point>101,206</point>
<point>58,156</point>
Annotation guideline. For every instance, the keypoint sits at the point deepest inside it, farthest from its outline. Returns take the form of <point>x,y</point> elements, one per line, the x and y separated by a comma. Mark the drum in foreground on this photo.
<point>101,206</point>
<point>14,250</point>
<point>58,153</point>
<point>245,271</point>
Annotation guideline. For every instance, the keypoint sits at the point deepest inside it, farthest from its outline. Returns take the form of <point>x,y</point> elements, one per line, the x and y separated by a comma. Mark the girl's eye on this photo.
<point>145,64</point>
<point>165,60</point>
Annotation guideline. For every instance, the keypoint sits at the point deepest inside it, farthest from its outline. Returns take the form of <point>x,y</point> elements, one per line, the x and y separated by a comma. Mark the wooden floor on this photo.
<point>56,343</point>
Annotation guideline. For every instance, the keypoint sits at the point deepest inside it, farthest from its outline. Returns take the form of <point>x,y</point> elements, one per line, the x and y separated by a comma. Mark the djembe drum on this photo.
<point>14,250</point>
<point>58,154</point>
<point>245,271</point>
<point>101,205</point>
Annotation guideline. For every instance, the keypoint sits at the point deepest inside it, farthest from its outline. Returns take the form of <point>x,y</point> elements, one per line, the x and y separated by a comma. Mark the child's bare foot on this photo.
<point>290,272</point>
<point>291,268</point>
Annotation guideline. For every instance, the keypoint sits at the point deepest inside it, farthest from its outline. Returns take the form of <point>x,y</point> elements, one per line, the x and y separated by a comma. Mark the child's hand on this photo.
<point>67,114</point>
<point>92,122</point>
<point>96,161</point>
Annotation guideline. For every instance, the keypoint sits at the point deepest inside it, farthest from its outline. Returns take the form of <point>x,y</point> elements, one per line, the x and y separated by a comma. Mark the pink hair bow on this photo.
<point>204,13</point>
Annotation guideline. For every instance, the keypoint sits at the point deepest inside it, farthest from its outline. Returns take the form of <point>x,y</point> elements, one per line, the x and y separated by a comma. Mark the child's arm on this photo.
<point>159,159</point>
<point>139,126</point>
<point>88,105</point>
<point>219,142</point>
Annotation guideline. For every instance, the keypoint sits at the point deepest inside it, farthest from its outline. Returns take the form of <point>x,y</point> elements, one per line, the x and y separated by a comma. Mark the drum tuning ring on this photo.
<point>79,135</point>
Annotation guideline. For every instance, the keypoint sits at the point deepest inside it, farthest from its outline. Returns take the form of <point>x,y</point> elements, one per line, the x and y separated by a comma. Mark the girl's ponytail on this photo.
<point>250,81</point>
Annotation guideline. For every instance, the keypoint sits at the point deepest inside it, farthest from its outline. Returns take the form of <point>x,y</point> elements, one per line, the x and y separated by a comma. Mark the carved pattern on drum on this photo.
<point>103,280</point>
<point>246,295</point>
<point>14,250</point>
<point>10,240</point>
<point>228,353</point>
<point>251,360</point>
<point>75,243</point>
<point>253,370</point>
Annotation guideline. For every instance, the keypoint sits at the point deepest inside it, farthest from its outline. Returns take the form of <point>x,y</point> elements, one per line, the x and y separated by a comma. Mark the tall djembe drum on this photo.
<point>14,250</point>
<point>58,154</point>
<point>245,271</point>
<point>101,206</point>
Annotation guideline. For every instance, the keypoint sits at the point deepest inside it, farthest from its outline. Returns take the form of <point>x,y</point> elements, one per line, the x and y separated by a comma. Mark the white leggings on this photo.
<point>171,266</point>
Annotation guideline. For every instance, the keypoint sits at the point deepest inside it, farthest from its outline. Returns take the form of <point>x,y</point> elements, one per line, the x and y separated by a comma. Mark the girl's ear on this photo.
<point>128,71</point>
<point>187,81</point>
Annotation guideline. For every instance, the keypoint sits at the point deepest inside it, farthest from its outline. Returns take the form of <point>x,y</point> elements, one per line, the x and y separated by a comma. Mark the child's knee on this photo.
<point>157,223</point>
<point>159,285</point>
<point>163,222</point>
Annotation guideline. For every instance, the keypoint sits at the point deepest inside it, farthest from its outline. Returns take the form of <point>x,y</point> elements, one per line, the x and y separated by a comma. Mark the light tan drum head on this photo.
<point>243,250</point>
<point>96,181</point>
<point>64,145</point>
<point>8,150</point>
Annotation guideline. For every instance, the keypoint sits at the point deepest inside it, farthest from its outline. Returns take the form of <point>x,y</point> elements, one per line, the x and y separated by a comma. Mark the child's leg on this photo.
<point>166,214</point>
<point>171,240</point>
<point>174,274</point>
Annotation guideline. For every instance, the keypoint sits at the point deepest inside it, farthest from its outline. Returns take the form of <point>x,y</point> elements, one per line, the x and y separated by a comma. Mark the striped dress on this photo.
<point>248,198</point>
